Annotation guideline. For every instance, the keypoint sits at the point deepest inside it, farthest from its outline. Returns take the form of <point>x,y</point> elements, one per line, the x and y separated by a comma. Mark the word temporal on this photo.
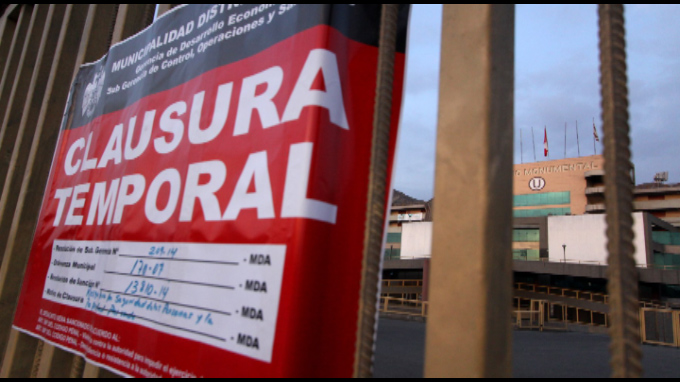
<point>106,201</point>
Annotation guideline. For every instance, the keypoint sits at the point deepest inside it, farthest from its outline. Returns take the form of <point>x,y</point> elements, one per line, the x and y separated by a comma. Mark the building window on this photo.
<point>526,254</point>
<point>666,238</point>
<point>545,199</point>
<point>541,212</point>
<point>394,237</point>
<point>392,253</point>
<point>526,235</point>
<point>667,260</point>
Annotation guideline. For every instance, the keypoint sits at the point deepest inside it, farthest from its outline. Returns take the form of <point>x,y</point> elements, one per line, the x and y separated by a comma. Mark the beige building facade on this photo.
<point>555,187</point>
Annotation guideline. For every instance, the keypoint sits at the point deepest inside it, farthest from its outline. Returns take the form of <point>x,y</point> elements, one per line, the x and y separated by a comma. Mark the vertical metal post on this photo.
<point>20,84</point>
<point>131,19</point>
<point>13,56</point>
<point>92,371</point>
<point>469,333</point>
<point>53,362</point>
<point>8,25</point>
<point>20,347</point>
<point>676,330</point>
<point>81,29</point>
<point>20,123</point>
<point>643,332</point>
<point>622,274</point>
<point>36,359</point>
<point>377,192</point>
<point>18,245</point>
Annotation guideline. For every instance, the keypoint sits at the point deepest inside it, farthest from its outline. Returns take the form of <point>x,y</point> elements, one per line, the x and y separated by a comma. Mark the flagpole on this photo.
<point>565,140</point>
<point>594,138</point>
<point>578,143</point>
<point>521,146</point>
<point>545,143</point>
<point>533,140</point>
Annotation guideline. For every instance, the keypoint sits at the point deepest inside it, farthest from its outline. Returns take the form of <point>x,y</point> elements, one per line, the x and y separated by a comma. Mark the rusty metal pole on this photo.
<point>37,145</point>
<point>25,108</point>
<point>7,26</point>
<point>11,65</point>
<point>622,273</point>
<point>469,329</point>
<point>377,192</point>
<point>32,43</point>
<point>131,19</point>
<point>17,349</point>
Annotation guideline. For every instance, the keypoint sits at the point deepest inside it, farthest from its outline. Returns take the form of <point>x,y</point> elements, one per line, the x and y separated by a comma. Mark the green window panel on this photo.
<point>394,237</point>
<point>544,199</point>
<point>666,238</point>
<point>526,235</point>
<point>666,259</point>
<point>526,254</point>
<point>541,212</point>
<point>392,254</point>
<point>659,259</point>
<point>673,259</point>
<point>661,237</point>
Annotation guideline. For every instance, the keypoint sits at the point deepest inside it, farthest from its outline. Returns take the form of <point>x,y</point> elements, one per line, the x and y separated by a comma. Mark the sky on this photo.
<point>556,82</point>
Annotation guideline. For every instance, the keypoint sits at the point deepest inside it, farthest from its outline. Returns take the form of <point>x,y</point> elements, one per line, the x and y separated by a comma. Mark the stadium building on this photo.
<point>559,216</point>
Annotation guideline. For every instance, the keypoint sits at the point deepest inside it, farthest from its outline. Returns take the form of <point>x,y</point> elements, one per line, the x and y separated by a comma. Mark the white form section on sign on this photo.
<point>224,295</point>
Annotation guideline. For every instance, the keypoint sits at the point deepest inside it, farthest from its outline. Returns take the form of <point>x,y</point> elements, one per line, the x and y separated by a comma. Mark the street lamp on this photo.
<point>564,247</point>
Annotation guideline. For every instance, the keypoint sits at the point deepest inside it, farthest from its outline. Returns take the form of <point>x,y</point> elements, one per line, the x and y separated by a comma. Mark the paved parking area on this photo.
<point>401,346</point>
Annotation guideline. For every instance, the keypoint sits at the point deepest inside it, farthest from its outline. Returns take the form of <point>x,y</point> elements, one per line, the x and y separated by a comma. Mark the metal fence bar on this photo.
<point>23,220</point>
<point>469,334</point>
<point>8,24</point>
<point>622,273</point>
<point>54,362</point>
<point>91,48</point>
<point>376,194</point>
<point>128,20</point>
<point>22,347</point>
<point>9,125</point>
<point>131,19</point>
<point>84,37</point>
<point>20,146</point>
<point>676,328</point>
<point>51,361</point>
<point>13,57</point>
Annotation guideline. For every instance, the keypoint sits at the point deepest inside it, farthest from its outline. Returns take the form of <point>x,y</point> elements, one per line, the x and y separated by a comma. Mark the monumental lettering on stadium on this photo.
<point>202,216</point>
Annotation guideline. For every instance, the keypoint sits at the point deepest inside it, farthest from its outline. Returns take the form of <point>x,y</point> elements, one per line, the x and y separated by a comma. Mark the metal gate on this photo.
<point>41,45</point>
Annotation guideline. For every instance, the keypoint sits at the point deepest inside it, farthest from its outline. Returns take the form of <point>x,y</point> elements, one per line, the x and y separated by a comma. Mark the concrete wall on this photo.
<point>416,240</point>
<point>585,237</point>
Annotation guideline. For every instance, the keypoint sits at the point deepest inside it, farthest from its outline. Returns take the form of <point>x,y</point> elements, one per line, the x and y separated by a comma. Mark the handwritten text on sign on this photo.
<point>196,291</point>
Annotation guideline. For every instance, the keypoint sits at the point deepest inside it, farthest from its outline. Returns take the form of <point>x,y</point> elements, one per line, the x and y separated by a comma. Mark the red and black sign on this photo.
<point>205,211</point>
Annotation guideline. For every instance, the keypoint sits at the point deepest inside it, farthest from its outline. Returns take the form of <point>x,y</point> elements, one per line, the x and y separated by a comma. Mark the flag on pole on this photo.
<point>545,143</point>
<point>597,137</point>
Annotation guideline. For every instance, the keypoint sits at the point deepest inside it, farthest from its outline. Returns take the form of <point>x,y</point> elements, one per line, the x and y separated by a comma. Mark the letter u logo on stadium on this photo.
<point>537,184</point>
